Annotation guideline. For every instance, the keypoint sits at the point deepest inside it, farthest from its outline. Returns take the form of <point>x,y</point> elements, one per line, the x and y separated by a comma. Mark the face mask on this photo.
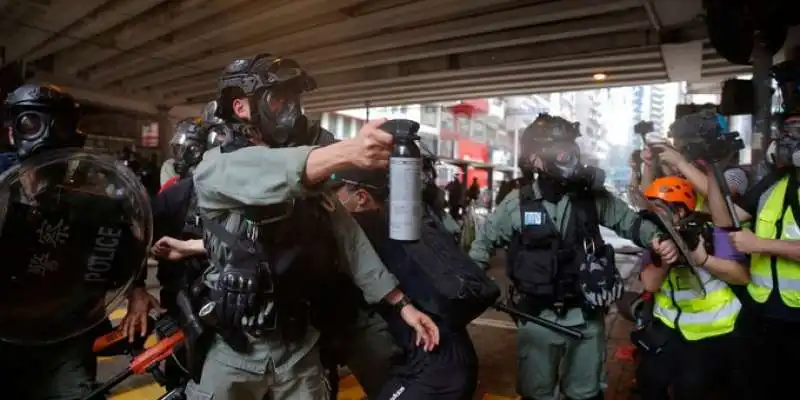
<point>33,131</point>
<point>277,114</point>
<point>784,152</point>
<point>561,161</point>
<point>187,156</point>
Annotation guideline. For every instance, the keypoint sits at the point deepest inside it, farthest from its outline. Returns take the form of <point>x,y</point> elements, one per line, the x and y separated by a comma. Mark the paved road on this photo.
<point>494,337</point>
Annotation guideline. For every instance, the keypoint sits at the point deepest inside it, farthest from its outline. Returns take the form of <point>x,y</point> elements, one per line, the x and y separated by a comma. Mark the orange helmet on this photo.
<point>672,189</point>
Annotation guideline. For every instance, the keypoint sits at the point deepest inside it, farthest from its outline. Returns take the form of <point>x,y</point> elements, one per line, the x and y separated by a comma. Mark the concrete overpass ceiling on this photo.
<point>144,55</point>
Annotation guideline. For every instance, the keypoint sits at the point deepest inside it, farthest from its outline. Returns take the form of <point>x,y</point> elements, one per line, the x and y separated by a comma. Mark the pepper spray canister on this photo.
<point>405,181</point>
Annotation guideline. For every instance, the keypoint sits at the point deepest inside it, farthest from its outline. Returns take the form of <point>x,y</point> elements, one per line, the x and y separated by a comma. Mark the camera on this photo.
<point>715,149</point>
<point>643,127</point>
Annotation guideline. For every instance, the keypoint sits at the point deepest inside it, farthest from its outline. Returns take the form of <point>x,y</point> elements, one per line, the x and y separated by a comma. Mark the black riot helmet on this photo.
<point>188,145</point>
<point>273,87</point>
<point>551,139</point>
<point>218,133</point>
<point>42,117</point>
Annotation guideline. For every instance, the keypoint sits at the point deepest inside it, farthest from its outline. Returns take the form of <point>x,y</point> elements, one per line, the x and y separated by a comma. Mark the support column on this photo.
<point>166,126</point>
<point>762,80</point>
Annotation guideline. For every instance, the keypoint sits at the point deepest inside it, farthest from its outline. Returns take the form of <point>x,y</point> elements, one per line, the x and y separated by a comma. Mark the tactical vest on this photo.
<point>542,262</point>
<point>297,242</point>
<point>698,312</point>
<point>777,220</point>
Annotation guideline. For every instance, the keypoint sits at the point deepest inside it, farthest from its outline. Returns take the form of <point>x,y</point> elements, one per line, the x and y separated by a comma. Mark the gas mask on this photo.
<point>188,146</point>
<point>34,131</point>
<point>784,152</point>
<point>42,117</point>
<point>562,164</point>
<point>278,111</point>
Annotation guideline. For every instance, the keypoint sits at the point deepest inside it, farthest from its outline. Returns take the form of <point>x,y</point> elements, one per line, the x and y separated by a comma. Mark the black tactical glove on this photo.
<point>600,281</point>
<point>237,294</point>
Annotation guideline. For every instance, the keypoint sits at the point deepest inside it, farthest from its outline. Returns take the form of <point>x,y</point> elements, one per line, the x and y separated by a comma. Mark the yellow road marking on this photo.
<point>349,389</point>
<point>118,314</point>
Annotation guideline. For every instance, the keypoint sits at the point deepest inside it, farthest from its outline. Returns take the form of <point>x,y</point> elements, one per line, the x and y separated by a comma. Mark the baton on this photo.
<point>555,327</point>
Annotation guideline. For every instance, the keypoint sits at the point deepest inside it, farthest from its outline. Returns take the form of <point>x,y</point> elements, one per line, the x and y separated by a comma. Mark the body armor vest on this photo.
<point>543,263</point>
<point>295,241</point>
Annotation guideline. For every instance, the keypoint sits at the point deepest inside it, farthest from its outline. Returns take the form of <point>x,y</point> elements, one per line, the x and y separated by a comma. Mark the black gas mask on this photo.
<point>279,110</point>
<point>42,117</point>
<point>785,150</point>
<point>273,87</point>
<point>188,145</point>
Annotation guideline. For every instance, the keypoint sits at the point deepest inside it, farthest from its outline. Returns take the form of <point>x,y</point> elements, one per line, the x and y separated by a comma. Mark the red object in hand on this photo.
<point>168,183</point>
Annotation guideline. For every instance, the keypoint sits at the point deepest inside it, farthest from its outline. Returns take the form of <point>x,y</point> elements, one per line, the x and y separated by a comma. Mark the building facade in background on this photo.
<point>486,130</point>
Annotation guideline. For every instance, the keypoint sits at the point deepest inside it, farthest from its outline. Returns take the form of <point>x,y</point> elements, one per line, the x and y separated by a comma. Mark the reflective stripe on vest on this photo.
<point>681,303</point>
<point>788,279</point>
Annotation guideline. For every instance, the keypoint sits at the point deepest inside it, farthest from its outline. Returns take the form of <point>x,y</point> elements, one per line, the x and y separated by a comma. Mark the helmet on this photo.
<point>673,190</point>
<point>546,129</point>
<point>42,116</point>
<point>273,87</point>
<point>188,145</point>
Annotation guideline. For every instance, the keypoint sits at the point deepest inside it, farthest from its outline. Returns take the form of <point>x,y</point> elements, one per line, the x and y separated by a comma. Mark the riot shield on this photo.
<point>75,231</point>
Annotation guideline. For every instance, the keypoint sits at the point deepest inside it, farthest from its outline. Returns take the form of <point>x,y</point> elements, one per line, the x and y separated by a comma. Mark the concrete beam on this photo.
<point>385,49</point>
<point>468,93</point>
<point>404,59</point>
<point>527,16</point>
<point>326,34</point>
<point>104,18</point>
<point>328,83</point>
<point>264,19</point>
<point>490,84</point>
<point>56,18</point>
<point>565,78</point>
<point>187,111</point>
<point>682,60</point>
<point>82,91</point>
<point>550,76</point>
<point>158,22</point>
<point>623,42</point>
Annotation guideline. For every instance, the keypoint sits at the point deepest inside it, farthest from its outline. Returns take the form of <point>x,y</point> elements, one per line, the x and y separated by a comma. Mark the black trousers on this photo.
<point>449,372</point>
<point>774,351</point>
<point>695,370</point>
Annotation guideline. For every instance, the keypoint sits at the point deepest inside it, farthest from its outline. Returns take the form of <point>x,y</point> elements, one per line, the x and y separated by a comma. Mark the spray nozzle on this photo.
<point>402,128</point>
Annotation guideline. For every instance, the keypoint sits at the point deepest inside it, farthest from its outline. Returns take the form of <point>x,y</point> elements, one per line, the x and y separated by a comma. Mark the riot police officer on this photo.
<point>270,234</point>
<point>558,264</point>
<point>53,219</point>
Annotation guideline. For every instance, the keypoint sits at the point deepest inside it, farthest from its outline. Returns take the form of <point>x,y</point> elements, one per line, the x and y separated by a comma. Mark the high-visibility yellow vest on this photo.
<point>787,271</point>
<point>683,304</point>
<point>701,202</point>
